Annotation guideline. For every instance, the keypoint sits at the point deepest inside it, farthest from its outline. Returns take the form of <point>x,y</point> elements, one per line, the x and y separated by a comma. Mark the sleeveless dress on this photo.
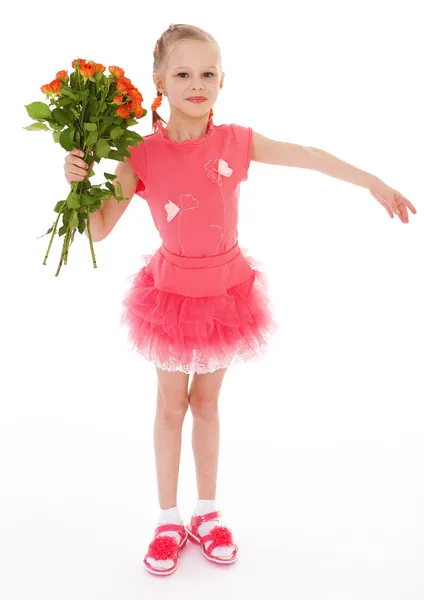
<point>199,302</point>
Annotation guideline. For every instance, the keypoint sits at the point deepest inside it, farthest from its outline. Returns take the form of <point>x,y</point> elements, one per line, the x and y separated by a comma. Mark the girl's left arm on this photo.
<point>273,152</point>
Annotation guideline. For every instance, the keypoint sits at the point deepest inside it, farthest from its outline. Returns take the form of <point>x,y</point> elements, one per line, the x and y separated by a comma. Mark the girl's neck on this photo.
<point>180,129</point>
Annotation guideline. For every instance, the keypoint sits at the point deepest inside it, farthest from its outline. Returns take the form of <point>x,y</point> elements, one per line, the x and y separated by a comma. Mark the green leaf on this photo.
<point>62,230</point>
<point>59,206</point>
<point>56,136</point>
<point>68,92</point>
<point>61,116</point>
<point>38,110</point>
<point>64,101</point>
<point>116,132</point>
<point>90,126</point>
<point>121,145</point>
<point>81,224</point>
<point>102,148</point>
<point>73,221</point>
<point>48,231</point>
<point>132,135</point>
<point>115,155</point>
<point>110,186</point>
<point>65,140</point>
<point>37,127</point>
<point>73,200</point>
<point>110,175</point>
<point>96,205</point>
<point>55,125</point>
<point>86,200</point>
<point>92,138</point>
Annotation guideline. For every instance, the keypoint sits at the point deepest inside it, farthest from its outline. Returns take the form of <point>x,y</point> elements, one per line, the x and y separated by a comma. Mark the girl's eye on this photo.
<point>184,73</point>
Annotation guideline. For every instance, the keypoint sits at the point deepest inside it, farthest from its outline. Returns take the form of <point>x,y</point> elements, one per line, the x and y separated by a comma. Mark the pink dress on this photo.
<point>199,302</point>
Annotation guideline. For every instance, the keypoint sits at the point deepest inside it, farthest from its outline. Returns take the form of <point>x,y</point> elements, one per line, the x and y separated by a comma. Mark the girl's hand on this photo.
<point>392,200</point>
<point>75,167</point>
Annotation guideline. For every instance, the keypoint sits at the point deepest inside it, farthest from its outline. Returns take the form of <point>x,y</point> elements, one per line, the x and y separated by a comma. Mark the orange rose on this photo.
<point>52,88</point>
<point>99,67</point>
<point>117,100</point>
<point>87,70</point>
<point>136,95</point>
<point>56,86</point>
<point>62,75</point>
<point>137,109</point>
<point>81,61</point>
<point>116,71</point>
<point>46,88</point>
<point>122,87</point>
<point>126,82</point>
<point>123,112</point>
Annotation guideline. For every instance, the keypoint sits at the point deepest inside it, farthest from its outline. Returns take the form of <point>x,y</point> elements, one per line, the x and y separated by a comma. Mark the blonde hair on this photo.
<point>173,34</point>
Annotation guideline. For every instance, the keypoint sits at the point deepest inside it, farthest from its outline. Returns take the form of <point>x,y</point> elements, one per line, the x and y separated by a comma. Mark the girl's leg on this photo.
<point>172,405</point>
<point>203,398</point>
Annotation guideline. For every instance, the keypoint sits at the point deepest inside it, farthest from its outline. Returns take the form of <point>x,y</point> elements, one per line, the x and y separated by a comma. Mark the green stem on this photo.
<point>66,246</point>
<point>51,238</point>
<point>61,255</point>
<point>91,240</point>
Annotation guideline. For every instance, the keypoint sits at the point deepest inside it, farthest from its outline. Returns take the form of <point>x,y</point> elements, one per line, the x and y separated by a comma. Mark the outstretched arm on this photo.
<point>274,152</point>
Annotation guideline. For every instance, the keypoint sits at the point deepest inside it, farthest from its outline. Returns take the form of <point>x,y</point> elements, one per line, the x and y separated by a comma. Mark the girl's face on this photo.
<point>192,70</point>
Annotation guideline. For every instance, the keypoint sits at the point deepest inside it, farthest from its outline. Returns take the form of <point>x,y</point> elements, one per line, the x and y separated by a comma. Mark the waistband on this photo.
<point>196,262</point>
<point>198,276</point>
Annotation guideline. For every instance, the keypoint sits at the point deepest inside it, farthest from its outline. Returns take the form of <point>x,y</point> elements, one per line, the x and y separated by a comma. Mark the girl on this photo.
<point>199,303</point>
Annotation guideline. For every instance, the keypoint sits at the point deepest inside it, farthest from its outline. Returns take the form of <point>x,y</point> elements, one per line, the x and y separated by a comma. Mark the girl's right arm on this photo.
<point>103,220</point>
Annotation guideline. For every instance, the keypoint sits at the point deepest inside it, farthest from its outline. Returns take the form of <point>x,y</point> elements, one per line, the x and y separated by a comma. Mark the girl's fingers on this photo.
<point>407,203</point>
<point>74,160</point>
<point>404,213</point>
<point>73,171</point>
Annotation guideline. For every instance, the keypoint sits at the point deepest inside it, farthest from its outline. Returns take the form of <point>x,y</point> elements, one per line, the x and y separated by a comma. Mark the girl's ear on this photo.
<point>222,80</point>
<point>157,82</point>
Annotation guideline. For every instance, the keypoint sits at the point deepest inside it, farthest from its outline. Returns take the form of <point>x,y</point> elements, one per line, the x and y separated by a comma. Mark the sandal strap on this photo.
<point>174,559</point>
<point>170,527</point>
<point>197,520</point>
<point>214,545</point>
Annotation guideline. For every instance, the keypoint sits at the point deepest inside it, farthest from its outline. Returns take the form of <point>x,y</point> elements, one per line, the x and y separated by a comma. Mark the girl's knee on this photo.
<point>172,394</point>
<point>203,406</point>
<point>172,405</point>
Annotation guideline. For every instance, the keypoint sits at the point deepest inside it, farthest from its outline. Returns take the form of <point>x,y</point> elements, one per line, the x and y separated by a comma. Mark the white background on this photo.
<point>322,452</point>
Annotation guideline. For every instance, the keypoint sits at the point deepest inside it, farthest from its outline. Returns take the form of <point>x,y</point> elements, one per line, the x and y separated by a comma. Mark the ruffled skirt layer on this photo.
<point>199,314</point>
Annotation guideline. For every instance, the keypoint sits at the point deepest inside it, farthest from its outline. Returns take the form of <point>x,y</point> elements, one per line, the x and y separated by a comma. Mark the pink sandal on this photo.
<point>165,546</point>
<point>220,536</point>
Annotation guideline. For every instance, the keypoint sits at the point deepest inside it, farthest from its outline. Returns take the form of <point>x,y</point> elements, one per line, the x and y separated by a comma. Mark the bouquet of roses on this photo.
<point>92,112</point>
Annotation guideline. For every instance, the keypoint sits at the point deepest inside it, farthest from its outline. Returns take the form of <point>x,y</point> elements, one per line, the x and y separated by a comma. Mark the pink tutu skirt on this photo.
<point>199,314</point>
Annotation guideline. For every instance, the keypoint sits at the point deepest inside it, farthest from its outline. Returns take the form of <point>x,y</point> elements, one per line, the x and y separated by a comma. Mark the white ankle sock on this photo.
<point>202,508</point>
<point>169,515</point>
